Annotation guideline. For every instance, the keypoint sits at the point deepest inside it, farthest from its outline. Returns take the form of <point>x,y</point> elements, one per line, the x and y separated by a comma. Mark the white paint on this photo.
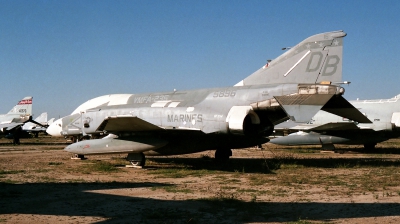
<point>174,104</point>
<point>160,103</point>
<point>241,83</point>
<point>114,99</point>
<point>301,59</point>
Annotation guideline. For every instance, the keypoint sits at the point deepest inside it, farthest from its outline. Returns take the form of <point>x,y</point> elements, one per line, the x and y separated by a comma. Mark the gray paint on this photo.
<point>197,120</point>
<point>341,130</point>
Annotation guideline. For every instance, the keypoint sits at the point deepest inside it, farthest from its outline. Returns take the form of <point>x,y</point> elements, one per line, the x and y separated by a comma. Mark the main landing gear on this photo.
<point>78,156</point>
<point>223,154</point>
<point>136,159</point>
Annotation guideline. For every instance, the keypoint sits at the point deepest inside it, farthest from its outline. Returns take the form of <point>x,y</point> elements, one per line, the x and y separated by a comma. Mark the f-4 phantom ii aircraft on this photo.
<point>18,115</point>
<point>33,128</point>
<point>293,86</point>
<point>327,129</point>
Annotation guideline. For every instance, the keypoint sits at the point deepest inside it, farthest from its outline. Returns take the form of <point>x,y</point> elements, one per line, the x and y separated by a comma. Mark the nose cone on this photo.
<point>55,128</point>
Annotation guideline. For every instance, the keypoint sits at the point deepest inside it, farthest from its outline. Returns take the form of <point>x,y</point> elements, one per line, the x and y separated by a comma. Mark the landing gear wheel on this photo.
<point>78,156</point>
<point>136,159</point>
<point>73,139</point>
<point>223,154</point>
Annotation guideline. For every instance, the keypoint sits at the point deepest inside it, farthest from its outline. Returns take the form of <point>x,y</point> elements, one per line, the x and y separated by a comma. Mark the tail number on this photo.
<point>22,110</point>
<point>330,66</point>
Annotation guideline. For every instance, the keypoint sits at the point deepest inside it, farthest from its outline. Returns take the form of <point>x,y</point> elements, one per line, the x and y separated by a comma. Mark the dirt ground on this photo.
<point>40,183</point>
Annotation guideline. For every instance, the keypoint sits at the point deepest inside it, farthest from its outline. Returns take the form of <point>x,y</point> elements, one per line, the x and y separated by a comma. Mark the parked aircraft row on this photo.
<point>18,121</point>
<point>328,129</point>
<point>301,85</point>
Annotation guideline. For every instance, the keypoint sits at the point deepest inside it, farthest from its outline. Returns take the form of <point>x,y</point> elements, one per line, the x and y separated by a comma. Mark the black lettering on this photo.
<point>331,65</point>
<point>313,62</point>
<point>187,117</point>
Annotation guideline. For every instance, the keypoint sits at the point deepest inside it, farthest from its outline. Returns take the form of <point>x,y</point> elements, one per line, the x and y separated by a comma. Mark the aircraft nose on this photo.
<point>55,128</point>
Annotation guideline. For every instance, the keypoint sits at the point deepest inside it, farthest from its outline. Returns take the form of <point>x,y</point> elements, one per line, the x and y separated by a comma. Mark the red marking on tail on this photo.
<point>23,102</point>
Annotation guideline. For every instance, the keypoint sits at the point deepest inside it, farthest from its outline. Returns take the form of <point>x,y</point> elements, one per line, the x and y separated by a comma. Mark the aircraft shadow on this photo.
<point>65,199</point>
<point>250,165</point>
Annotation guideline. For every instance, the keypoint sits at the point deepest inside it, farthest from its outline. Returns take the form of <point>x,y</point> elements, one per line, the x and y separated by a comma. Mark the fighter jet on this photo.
<point>40,125</point>
<point>327,129</point>
<point>17,116</point>
<point>295,86</point>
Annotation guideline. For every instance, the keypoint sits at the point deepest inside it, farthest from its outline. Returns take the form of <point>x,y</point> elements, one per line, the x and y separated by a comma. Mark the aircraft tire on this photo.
<point>223,154</point>
<point>136,159</point>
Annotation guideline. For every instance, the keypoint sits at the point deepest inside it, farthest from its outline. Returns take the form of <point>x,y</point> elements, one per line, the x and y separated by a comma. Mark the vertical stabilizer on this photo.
<point>49,122</point>
<point>315,59</point>
<point>42,118</point>
<point>24,107</point>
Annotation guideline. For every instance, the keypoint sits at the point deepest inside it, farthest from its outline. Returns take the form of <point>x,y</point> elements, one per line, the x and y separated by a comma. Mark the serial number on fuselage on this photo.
<point>225,93</point>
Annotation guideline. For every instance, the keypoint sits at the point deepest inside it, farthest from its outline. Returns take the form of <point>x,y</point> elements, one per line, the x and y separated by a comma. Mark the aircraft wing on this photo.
<point>41,129</point>
<point>9,126</point>
<point>126,123</point>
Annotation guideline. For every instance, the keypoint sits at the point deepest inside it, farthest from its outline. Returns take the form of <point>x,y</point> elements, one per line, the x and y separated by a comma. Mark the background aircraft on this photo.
<point>33,128</point>
<point>295,85</point>
<point>17,116</point>
<point>327,129</point>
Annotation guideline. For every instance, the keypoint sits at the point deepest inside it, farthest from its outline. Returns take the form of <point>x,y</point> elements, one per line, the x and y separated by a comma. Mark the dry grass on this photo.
<point>254,186</point>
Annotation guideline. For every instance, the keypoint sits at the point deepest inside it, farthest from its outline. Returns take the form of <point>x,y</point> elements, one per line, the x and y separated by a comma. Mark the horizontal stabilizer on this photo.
<point>340,106</point>
<point>301,108</point>
<point>126,123</point>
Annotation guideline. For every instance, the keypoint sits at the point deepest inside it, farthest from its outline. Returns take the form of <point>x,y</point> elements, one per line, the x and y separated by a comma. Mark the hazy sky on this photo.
<point>64,53</point>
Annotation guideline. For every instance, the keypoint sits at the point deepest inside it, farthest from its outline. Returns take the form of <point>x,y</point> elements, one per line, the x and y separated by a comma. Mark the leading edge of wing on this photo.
<point>9,126</point>
<point>126,123</point>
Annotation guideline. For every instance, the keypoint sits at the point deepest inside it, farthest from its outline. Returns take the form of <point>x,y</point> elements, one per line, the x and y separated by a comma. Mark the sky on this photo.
<point>65,52</point>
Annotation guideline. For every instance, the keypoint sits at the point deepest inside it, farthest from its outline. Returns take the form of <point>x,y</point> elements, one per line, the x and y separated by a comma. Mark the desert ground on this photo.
<point>40,183</point>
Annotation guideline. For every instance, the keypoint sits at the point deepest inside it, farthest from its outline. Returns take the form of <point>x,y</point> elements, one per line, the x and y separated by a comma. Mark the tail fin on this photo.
<point>24,107</point>
<point>42,118</point>
<point>49,122</point>
<point>315,59</point>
